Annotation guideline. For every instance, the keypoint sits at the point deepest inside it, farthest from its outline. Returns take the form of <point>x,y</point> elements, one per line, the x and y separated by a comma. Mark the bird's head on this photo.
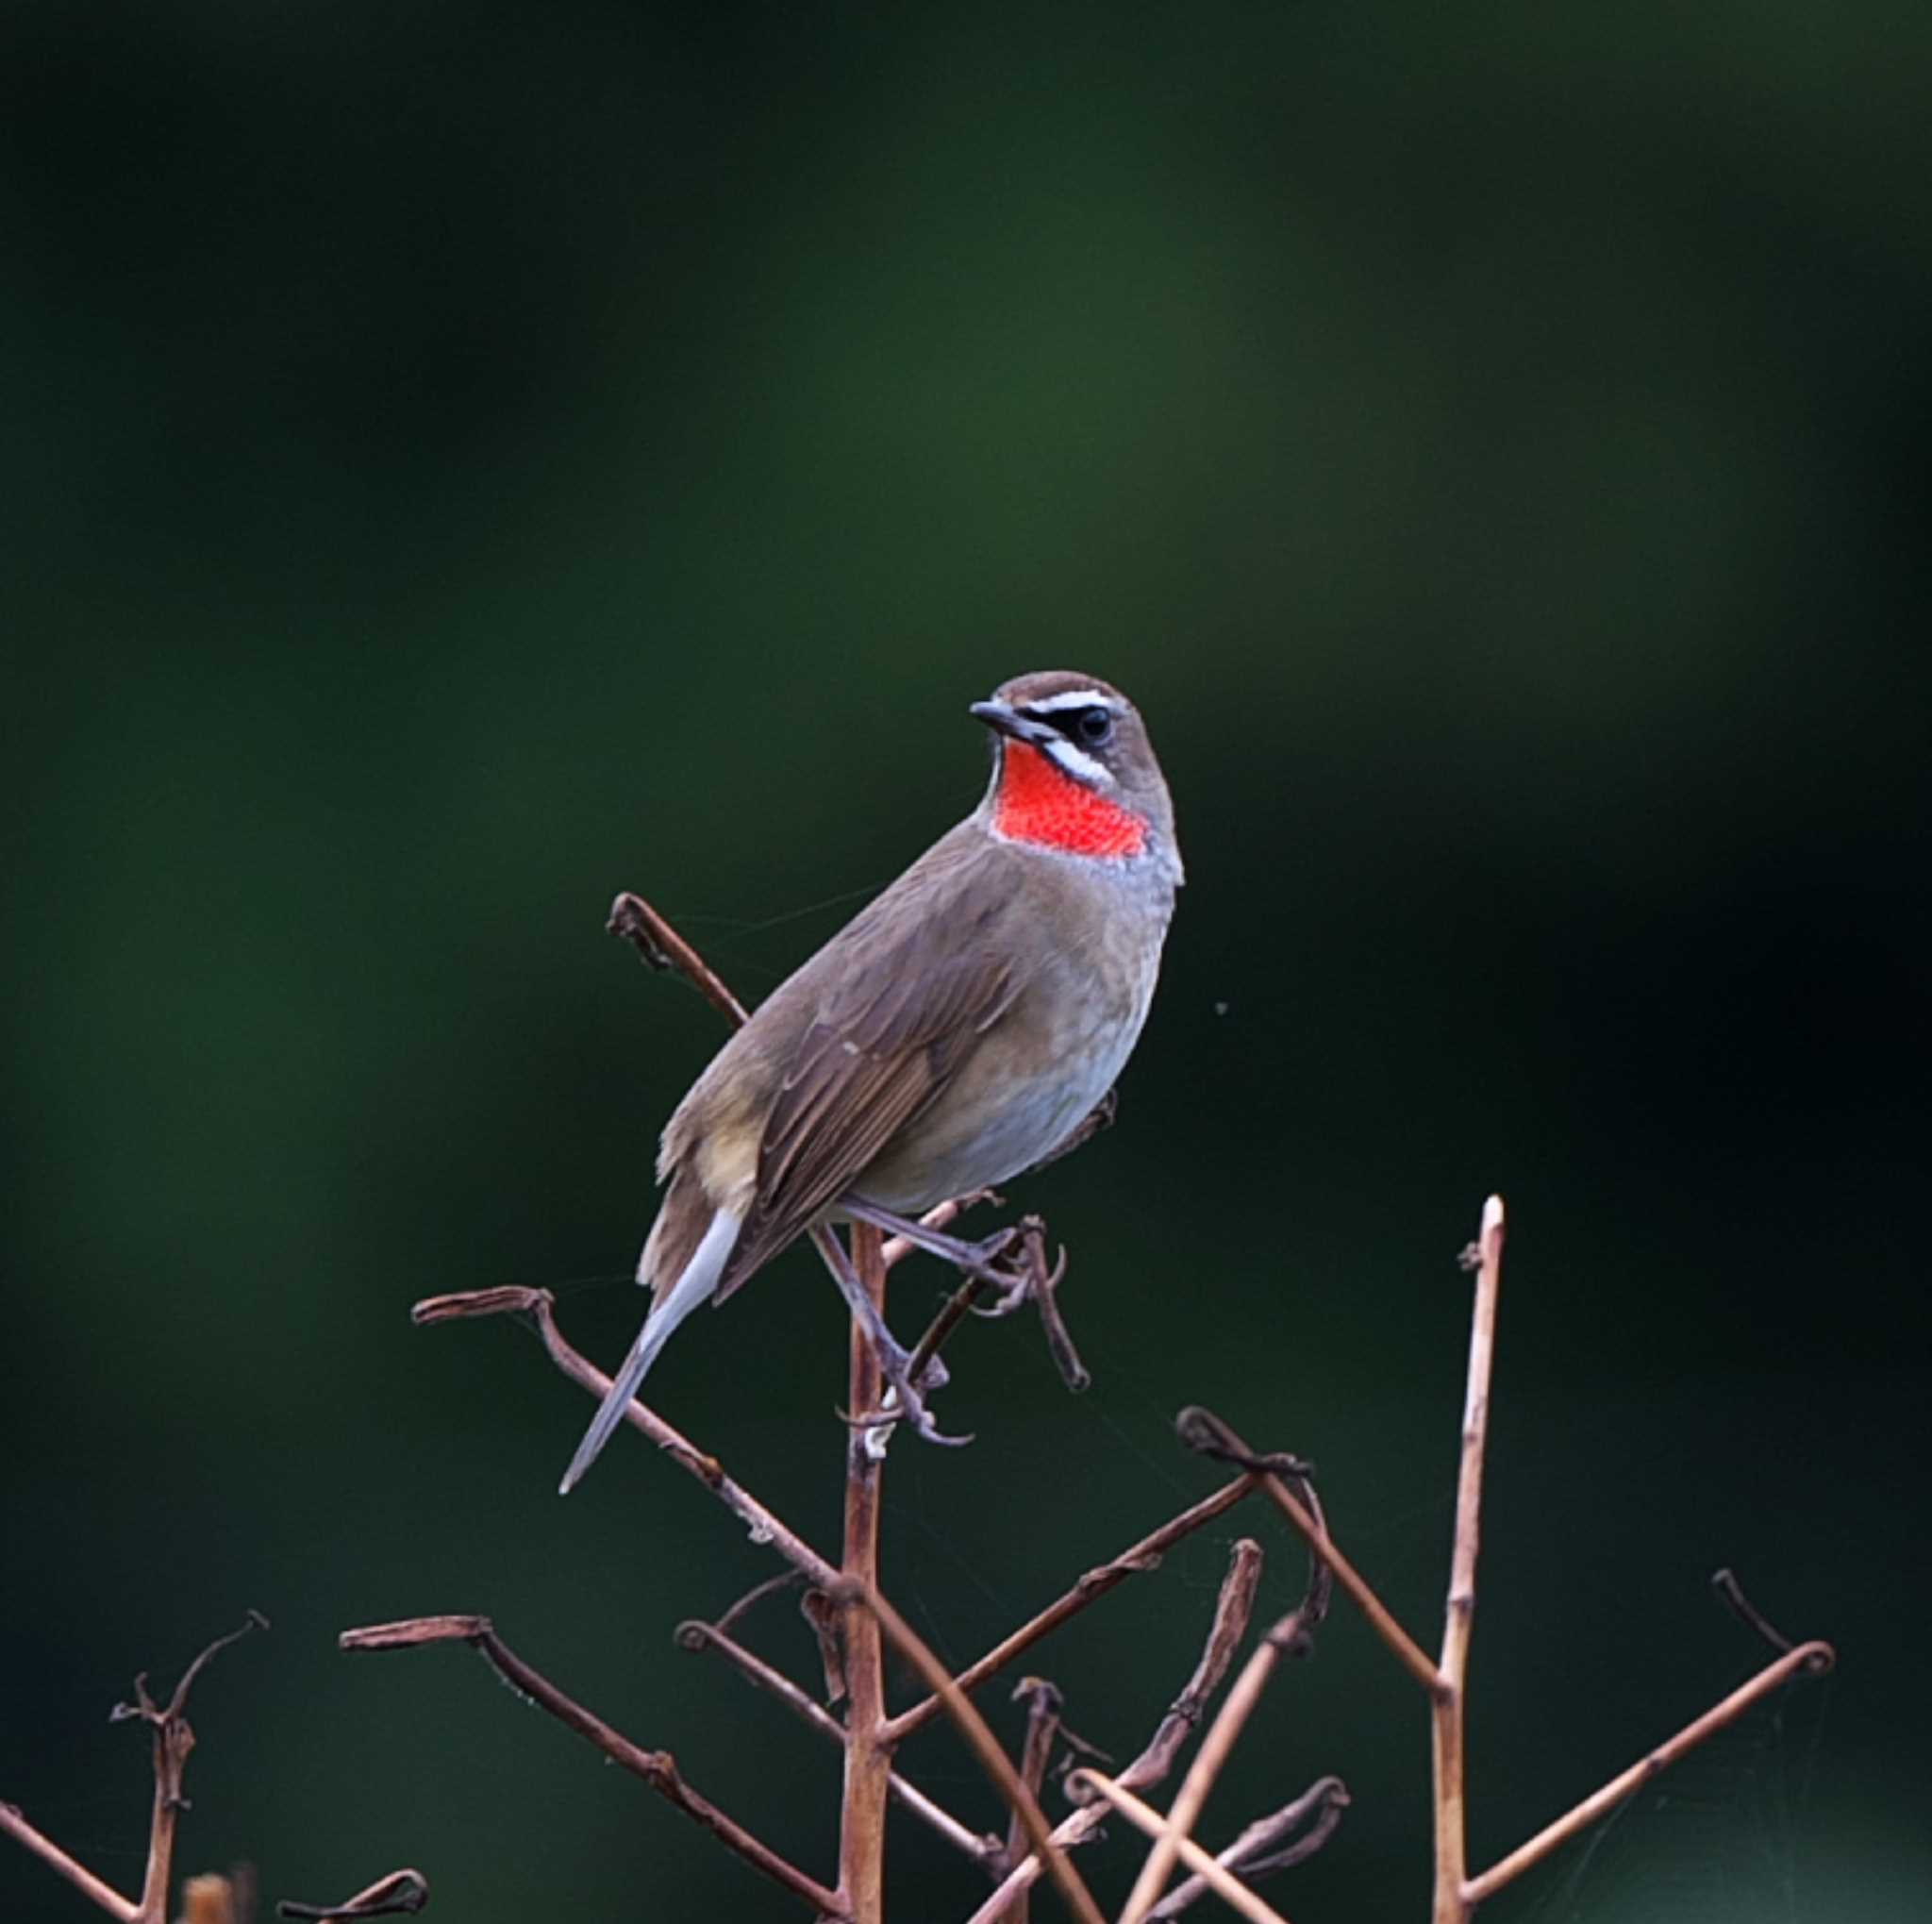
<point>1072,769</point>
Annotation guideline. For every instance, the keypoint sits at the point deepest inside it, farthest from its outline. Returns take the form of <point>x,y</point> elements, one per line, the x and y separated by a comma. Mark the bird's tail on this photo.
<point>699,1279</point>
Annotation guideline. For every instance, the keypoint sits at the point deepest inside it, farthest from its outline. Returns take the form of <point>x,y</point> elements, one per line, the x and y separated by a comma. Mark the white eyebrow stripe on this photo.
<point>1075,697</point>
<point>1081,766</point>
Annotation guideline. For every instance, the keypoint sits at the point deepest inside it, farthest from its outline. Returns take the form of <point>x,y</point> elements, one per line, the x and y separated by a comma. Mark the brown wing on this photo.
<point>906,1000</point>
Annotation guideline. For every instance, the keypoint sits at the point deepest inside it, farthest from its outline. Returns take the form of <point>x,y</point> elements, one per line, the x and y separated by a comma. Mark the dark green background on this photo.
<point>460,462</point>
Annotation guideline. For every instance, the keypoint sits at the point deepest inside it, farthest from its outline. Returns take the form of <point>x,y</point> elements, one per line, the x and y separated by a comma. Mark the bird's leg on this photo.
<point>895,1360</point>
<point>981,1259</point>
<point>1020,1274</point>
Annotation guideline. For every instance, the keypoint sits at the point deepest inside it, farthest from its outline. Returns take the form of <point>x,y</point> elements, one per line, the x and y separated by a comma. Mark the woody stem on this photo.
<point>867,1755</point>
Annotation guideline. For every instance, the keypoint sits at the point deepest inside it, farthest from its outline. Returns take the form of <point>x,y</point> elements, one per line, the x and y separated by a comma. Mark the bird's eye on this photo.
<point>1092,727</point>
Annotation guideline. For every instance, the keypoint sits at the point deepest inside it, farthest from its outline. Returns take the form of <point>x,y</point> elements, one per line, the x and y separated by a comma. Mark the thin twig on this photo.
<point>1132,1562</point>
<point>821,1616</point>
<point>1044,1704</point>
<point>1288,1637</point>
<point>1258,1851</point>
<point>1813,1658</point>
<point>1230,1625</point>
<point>984,1849</point>
<point>1043,1288</point>
<point>656,1768</point>
<point>1233,1610</point>
<point>173,1740</point>
<point>1201,1429</point>
<point>633,920</point>
<point>755,1596</point>
<point>540,1305</point>
<point>1150,1820</point>
<point>1449,1705</point>
<point>1732,1592</point>
<point>952,1314</point>
<point>400,1891</point>
<point>110,1900</point>
<point>985,1746</point>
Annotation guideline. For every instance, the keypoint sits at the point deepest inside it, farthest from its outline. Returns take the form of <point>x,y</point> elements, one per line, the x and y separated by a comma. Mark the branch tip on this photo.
<point>505,1298</point>
<point>400,1891</point>
<point>1201,1431</point>
<point>409,1631</point>
<point>1731,1593</point>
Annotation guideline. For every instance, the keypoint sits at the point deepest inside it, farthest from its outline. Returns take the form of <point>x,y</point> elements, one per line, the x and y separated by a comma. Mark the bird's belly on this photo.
<point>1002,1116</point>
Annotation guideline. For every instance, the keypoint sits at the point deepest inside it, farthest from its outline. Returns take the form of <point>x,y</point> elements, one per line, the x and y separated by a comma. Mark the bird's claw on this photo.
<point>916,1413</point>
<point>1018,1275</point>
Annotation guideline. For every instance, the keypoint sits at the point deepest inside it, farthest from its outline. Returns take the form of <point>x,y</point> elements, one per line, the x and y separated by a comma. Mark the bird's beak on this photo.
<point>1006,721</point>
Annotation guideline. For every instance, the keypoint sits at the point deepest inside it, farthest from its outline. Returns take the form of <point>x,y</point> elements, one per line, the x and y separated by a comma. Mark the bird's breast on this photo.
<point>1038,1072</point>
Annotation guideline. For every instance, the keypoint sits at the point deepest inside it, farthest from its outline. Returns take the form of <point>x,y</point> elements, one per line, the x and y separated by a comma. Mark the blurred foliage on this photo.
<point>463,461</point>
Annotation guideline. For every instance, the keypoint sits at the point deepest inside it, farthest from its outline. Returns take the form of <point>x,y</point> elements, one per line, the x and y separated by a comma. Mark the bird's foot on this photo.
<point>904,1401</point>
<point>1014,1263</point>
<point>1011,1258</point>
<point>891,1411</point>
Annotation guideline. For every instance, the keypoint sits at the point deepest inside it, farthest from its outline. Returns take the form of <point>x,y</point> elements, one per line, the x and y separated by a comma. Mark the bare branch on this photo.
<point>822,1618</point>
<point>985,1849</point>
<point>77,1874</point>
<point>1811,1659</point>
<point>1201,1429</point>
<point>1231,1615</point>
<point>867,1755</point>
<point>1044,1703</point>
<point>1447,1715</point>
<point>985,1746</point>
<point>656,1768</point>
<point>633,920</point>
<point>539,1304</point>
<point>1732,1592</point>
<point>1288,1637</point>
<point>1231,1611</point>
<point>751,1600</point>
<point>1043,1291</point>
<point>400,1891</point>
<point>1260,1851</point>
<point>1150,1820</point>
<point>173,1740</point>
<point>1132,1562</point>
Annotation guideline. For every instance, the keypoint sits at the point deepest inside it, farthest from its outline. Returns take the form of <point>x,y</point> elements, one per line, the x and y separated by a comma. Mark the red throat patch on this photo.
<point>1037,801</point>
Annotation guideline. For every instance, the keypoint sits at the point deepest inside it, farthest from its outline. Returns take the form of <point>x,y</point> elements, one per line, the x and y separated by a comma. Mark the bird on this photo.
<point>957,1031</point>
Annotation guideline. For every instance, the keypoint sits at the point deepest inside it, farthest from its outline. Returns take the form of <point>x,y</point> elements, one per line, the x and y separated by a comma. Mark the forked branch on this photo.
<point>1284,1838</point>
<point>1290,1637</point>
<point>1222,1882</point>
<point>656,1768</point>
<point>1810,1659</point>
<point>1232,1610</point>
<point>986,1747</point>
<point>515,1299</point>
<point>1135,1561</point>
<point>1203,1430</point>
<point>174,1739</point>
<point>402,1893</point>
<point>983,1849</point>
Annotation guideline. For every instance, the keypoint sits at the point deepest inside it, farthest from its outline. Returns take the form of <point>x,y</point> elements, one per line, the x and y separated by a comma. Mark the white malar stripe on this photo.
<point>1078,763</point>
<point>1075,697</point>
